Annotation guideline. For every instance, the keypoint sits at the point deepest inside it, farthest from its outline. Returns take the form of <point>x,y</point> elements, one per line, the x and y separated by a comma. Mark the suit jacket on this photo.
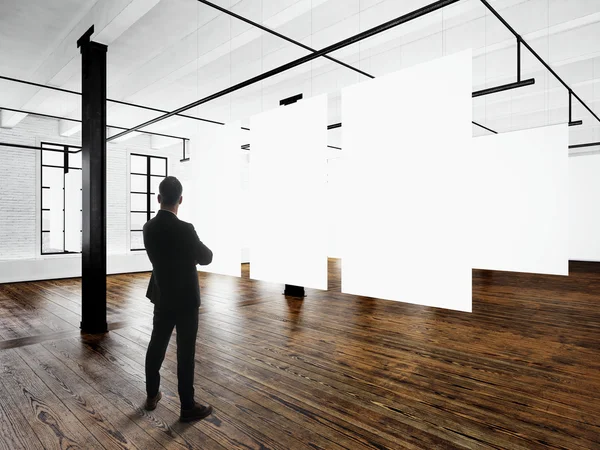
<point>174,250</point>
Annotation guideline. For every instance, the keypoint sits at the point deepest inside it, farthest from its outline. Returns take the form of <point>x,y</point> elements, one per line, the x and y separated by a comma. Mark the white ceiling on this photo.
<point>168,53</point>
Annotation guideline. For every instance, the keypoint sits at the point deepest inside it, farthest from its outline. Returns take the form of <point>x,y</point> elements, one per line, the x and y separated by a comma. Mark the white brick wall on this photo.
<point>18,200</point>
<point>20,188</point>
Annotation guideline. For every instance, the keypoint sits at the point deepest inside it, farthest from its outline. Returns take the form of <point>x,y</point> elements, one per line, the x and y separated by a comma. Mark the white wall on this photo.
<point>584,204</point>
<point>68,266</point>
<point>185,175</point>
<point>521,198</point>
<point>20,226</point>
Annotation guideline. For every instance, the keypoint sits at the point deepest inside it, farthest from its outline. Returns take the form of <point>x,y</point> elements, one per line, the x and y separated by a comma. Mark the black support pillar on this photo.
<point>93,138</point>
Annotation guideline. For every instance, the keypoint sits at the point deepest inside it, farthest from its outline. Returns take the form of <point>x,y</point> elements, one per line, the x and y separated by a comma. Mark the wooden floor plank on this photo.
<point>15,430</point>
<point>100,417</point>
<point>263,415</point>
<point>483,410</point>
<point>224,425</point>
<point>344,346</point>
<point>161,425</point>
<point>319,399</point>
<point>55,426</point>
<point>53,315</point>
<point>327,371</point>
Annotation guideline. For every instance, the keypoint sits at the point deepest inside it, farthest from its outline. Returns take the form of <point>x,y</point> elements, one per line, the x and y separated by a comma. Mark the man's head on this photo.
<point>170,191</point>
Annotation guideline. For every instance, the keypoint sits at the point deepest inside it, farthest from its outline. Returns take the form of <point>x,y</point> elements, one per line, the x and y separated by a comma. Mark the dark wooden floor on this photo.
<point>331,371</point>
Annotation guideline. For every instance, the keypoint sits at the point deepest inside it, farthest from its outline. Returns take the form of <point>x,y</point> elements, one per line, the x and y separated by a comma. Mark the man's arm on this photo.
<point>145,236</point>
<point>202,253</point>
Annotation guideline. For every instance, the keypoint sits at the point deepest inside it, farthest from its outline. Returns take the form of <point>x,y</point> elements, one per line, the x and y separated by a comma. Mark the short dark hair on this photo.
<point>170,190</point>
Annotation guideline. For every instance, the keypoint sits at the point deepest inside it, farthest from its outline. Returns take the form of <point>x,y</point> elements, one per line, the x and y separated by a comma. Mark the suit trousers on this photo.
<point>185,320</point>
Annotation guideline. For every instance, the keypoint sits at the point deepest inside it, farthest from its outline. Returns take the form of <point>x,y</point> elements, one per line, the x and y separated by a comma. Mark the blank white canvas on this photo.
<point>520,199</point>
<point>334,196</point>
<point>405,139</point>
<point>73,211</point>
<point>584,208</point>
<point>288,169</point>
<point>215,208</point>
<point>54,180</point>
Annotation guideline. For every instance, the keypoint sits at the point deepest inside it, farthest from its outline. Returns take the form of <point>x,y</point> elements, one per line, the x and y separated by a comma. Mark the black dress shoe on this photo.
<point>198,412</point>
<point>151,402</point>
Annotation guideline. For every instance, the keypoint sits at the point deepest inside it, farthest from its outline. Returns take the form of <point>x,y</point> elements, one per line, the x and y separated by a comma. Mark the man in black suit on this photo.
<point>174,250</point>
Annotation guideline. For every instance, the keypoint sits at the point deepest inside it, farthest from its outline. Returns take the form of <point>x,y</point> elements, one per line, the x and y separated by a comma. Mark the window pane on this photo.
<point>73,203</point>
<point>139,164</point>
<point>54,200</point>
<point>53,158</point>
<point>46,247</point>
<point>75,159</point>
<point>138,183</point>
<point>138,202</point>
<point>154,183</point>
<point>46,220</point>
<point>154,206</point>
<point>138,220</point>
<point>137,240</point>
<point>158,166</point>
<point>45,198</point>
<point>52,177</point>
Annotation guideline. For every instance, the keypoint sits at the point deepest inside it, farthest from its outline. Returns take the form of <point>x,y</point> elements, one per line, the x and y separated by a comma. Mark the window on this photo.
<point>146,173</point>
<point>60,187</point>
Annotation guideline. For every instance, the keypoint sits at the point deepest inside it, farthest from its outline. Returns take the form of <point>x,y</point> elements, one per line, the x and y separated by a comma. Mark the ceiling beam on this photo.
<point>334,47</point>
<point>110,17</point>
<point>68,127</point>
<point>279,35</point>
<point>538,57</point>
<point>67,119</point>
<point>119,102</point>
<point>158,142</point>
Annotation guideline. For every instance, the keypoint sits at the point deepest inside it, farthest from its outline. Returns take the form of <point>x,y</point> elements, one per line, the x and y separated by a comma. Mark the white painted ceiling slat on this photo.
<point>166,53</point>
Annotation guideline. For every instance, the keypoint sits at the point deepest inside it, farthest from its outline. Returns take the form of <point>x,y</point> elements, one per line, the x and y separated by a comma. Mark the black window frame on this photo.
<point>66,151</point>
<point>148,192</point>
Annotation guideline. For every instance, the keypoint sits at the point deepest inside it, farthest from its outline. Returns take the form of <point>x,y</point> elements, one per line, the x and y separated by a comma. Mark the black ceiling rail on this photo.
<point>331,48</point>
<point>275,33</point>
<point>339,125</point>
<point>538,57</point>
<point>572,123</point>
<point>50,116</point>
<point>279,35</point>
<point>589,144</point>
<point>247,147</point>
<point>120,102</point>
<point>290,100</point>
<point>484,127</point>
<point>184,157</point>
<point>506,87</point>
<point>31,147</point>
<point>503,87</point>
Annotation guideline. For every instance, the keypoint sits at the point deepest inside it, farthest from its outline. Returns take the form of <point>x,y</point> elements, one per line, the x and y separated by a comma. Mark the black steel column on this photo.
<point>93,142</point>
